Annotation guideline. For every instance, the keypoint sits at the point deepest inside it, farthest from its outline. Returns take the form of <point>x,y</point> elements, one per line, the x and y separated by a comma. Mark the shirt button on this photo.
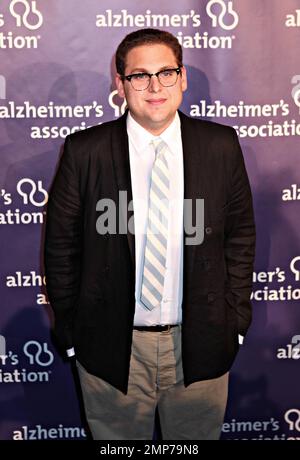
<point>208,230</point>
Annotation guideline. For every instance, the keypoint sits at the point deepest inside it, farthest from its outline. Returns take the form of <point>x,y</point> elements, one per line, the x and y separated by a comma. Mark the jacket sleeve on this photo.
<point>62,250</point>
<point>240,240</point>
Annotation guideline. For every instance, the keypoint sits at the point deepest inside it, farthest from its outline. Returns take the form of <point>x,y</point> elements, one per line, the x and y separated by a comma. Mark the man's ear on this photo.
<point>183,79</point>
<point>120,85</point>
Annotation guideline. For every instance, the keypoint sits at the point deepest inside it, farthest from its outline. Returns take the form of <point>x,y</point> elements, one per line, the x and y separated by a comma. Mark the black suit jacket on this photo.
<point>91,277</point>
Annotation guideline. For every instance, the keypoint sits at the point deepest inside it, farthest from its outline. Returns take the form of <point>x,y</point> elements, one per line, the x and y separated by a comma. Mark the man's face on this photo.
<point>155,107</point>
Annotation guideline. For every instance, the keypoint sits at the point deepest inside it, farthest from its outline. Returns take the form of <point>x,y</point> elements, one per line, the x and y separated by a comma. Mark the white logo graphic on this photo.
<point>35,357</point>
<point>293,269</point>
<point>296,348</point>
<point>296,90</point>
<point>219,19</point>
<point>39,188</point>
<point>30,8</point>
<point>2,346</point>
<point>2,87</point>
<point>291,194</point>
<point>118,110</point>
<point>292,417</point>
<point>293,20</point>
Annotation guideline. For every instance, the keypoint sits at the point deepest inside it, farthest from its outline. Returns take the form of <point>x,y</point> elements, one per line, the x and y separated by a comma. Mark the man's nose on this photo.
<point>154,84</point>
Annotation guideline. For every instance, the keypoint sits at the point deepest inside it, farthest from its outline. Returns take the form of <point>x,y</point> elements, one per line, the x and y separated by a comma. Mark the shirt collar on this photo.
<point>141,138</point>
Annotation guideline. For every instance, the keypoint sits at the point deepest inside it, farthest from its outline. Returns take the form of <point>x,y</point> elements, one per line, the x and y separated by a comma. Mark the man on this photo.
<point>152,313</point>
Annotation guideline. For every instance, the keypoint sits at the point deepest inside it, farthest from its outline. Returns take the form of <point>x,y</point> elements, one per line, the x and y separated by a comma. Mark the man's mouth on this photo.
<point>156,101</point>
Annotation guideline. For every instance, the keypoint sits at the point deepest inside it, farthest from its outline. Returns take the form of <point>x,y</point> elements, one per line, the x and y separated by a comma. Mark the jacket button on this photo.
<point>207,264</point>
<point>208,230</point>
<point>211,297</point>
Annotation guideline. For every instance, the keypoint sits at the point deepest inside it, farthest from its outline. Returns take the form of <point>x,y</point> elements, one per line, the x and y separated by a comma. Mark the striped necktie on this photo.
<point>157,229</point>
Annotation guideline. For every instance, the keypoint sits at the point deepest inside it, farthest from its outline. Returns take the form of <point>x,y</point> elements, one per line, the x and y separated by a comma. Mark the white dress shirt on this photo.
<point>142,156</point>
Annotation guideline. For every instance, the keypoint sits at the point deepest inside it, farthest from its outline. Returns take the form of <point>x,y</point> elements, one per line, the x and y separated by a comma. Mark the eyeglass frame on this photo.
<point>129,77</point>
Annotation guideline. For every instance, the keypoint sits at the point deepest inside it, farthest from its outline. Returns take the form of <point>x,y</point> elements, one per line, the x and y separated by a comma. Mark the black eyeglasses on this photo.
<point>141,81</point>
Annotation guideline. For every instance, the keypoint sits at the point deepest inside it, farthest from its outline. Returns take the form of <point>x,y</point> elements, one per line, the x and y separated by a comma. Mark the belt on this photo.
<point>158,328</point>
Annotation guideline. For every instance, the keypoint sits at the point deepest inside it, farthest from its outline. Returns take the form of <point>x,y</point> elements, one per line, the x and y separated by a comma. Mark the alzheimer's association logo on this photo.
<point>26,14</point>
<point>222,14</point>
<point>2,87</point>
<point>296,90</point>
<point>116,103</point>
<point>33,191</point>
<point>292,418</point>
<point>2,346</point>
<point>38,353</point>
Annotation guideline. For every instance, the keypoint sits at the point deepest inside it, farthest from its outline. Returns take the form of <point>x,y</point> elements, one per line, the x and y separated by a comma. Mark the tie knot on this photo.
<point>158,145</point>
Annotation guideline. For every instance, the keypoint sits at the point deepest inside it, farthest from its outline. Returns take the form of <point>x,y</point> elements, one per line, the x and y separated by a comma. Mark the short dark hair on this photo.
<point>146,37</point>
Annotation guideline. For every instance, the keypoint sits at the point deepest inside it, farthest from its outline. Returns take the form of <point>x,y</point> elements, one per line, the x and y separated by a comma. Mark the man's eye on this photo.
<point>167,73</point>
<point>140,76</point>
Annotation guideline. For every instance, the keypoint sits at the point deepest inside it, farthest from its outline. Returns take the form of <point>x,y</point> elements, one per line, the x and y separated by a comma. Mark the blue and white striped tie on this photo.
<point>157,229</point>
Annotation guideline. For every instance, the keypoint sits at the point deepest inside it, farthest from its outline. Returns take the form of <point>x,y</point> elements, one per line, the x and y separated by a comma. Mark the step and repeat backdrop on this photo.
<point>56,77</point>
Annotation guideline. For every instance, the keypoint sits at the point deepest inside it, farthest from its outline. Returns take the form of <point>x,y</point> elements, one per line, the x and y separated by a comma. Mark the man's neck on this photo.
<point>155,131</point>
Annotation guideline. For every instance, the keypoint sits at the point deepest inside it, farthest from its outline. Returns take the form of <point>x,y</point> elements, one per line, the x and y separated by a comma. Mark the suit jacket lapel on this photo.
<point>194,180</point>
<point>120,155</point>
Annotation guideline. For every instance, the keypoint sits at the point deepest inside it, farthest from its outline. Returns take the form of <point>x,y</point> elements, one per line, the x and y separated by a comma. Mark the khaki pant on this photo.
<point>195,412</point>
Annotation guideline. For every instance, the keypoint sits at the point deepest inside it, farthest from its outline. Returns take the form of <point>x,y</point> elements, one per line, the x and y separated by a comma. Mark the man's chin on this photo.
<point>160,119</point>
<point>155,123</point>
